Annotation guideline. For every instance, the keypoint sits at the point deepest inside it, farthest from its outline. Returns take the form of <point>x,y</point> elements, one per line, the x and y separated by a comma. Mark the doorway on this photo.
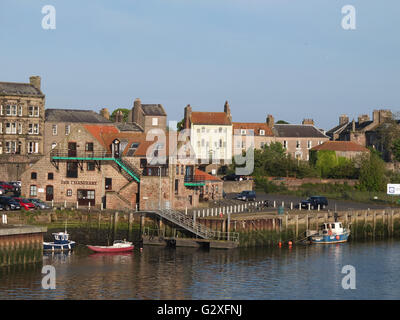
<point>49,193</point>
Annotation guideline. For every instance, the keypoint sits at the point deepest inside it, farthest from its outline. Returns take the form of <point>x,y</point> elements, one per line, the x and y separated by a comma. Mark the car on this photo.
<point>314,201</point>
<point>231,177</point>
<point>10,203</point>
<point>39,204</point>
<point>25,203</point>
<point>247,195</point>
<point>6,186</point>
<point>16,185</point>
<point>2,191</point>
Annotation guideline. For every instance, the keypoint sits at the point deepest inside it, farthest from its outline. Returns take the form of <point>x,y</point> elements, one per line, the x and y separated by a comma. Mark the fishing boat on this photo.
<point>118,246</point>
<point>61,242</point>
<point>330,232</point>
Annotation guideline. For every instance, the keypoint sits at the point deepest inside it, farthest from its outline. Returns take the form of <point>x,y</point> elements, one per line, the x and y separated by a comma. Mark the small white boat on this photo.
<point>330,232</point>
<point>118,246</point>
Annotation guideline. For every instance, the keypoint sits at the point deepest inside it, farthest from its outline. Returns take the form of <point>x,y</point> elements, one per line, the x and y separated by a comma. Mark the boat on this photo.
<point>330,232</point>
<point>118,246</point>
<point>61,243</point>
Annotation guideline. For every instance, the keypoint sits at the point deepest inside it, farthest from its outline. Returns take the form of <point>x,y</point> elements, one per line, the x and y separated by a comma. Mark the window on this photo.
<point>67,129</point>
<point>202,142</point>
<point>262,145</point>
<point>11,110</point>
<point>285,145</point>
<point>20,111</point>
<point>91,166</point>
<point>33,128</point>
<point>143,163</point>
<point>89,146</point>
<point>53,145</point>
<point>90,194</point>
<point>309,144</point>
<point>108,183</point>
<point>176,186</point>
<point>242,131</point>
<point>33,191</point>
<point>50,176</point>
<point>220,143</point>
<point>69,193</point>
<point>182,169</point>
<point>33,147</point>
<point>262,132</point>
<point>33,111</point>
<point>11,146</point>
<point>54,128</point>
<point>11,128</point>
<point>220,129</point>
<point>198,130</point>
<point>33,175</point>
<point>177,169</point>
<point>1,127</point>
<point>19,128</point>
<point>154,121</point>
<point>72,170</point>
<point>297,144</point>
<point>203,130</point>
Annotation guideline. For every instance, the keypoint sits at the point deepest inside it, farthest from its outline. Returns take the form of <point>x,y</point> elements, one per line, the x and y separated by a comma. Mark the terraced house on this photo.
<point>21,126</point>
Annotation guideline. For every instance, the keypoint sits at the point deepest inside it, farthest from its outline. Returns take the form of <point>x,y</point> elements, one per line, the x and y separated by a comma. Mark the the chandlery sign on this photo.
<point>393,189</point>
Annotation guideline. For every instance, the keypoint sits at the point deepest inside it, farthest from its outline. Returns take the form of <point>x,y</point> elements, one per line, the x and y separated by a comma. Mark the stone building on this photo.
<point>298,139</point>
<point>61,122</point>
<point>147,116</point>
<point>98,165</point>
<point>21,126</point>
<point>362,131</point>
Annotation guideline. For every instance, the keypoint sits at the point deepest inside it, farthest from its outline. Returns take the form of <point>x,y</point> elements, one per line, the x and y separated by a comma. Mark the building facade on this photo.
<point>21,126</point>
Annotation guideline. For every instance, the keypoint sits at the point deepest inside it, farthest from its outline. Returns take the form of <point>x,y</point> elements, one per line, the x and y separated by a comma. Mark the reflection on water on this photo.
<point>303,272</point>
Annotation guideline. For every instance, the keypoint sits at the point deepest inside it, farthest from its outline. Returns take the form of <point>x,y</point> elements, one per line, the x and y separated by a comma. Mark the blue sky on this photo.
<point>288,58</point>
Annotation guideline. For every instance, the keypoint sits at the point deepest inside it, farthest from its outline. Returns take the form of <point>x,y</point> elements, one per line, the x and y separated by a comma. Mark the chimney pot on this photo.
<point>35,81</point>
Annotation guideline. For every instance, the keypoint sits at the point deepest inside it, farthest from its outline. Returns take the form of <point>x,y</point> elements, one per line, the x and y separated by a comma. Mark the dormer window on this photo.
<point>242,131</point>
<point>262,132</point>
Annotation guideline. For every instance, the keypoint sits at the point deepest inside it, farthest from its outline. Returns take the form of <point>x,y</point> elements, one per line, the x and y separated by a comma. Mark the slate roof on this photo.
<point>71,115</point>
<point>256,127</point>
<point>340,146</point>
<point>212,118</point>
<point>128,126</point>
<point>297,130</point>
<point>153,110</point>
<point>19,89</point>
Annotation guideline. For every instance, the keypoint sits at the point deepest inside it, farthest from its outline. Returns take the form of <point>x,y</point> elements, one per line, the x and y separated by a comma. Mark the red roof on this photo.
<point>256,127</point>
<point>204,176</point>
<point>98,131</point>
<point>216,118</point>
<point>340,146</point>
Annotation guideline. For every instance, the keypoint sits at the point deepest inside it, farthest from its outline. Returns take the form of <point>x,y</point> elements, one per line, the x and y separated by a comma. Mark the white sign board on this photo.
<point>393,189</point>
<point>41,190</point>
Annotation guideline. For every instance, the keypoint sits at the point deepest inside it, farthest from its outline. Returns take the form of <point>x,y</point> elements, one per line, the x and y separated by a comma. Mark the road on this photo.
<point>340,205</point>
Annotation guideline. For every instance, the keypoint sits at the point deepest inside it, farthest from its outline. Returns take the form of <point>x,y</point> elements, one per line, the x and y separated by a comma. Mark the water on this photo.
<point>303,272</point>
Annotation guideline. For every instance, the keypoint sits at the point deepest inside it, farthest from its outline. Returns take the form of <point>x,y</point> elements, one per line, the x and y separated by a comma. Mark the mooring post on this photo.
<point>228,227</point>
<point>374,222</point>
<point>130,225</point>
<point>297,226</point>
<point>306,222</point>
<point>115,223</point>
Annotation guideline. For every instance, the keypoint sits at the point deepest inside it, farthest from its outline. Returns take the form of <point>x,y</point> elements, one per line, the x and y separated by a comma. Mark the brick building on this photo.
<point>21,126</point>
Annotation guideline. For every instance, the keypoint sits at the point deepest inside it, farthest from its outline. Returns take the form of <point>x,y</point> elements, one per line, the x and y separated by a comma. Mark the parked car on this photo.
<point>39,204</point>
<point>247,196</point>
<point>314,201</point>
<point>6,186</point>
<point>25,203</point>
<point>16,185</point>
<point>2,191</point>
<point>231,177</point>
<point>10,203</point>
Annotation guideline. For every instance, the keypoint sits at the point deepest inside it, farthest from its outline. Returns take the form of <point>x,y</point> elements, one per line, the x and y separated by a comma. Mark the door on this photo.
<point>71,149</point>
<point>85,197</point>
<point>49,193</point>
<point>108,184</point>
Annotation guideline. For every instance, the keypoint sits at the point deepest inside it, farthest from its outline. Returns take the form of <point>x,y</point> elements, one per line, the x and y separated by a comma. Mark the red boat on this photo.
<point>118,246</point>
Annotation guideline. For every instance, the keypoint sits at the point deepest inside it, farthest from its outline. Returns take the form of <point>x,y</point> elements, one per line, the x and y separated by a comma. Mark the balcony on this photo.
<point>80,155</point>
<point>194,181</point>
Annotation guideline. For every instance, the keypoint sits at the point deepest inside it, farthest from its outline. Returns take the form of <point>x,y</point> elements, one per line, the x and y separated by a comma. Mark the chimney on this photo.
<point>343,119</point>
<point>270,121</point>
<point>137,106</point>
<point>119,116</point>
<point>308,121</point>
<point>105,113</point>
<point>363,118</point>
<point>353,126</point>
<point>227,110</point>
<point>35,81</point>
<point>187,113</point>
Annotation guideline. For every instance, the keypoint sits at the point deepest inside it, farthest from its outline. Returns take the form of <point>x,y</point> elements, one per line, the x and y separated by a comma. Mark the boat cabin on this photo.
<point>60,237</point>
<point>332,228</point>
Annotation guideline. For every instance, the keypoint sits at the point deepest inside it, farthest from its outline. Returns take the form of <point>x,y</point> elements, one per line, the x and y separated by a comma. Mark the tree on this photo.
<point>372,173</point>
<point>125,112</point>
<point>282,122</point>
<point>180,124</point>
<point>387,134</point>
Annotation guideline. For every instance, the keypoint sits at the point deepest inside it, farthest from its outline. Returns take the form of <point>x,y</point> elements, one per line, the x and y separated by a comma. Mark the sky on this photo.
<point>288,58</point>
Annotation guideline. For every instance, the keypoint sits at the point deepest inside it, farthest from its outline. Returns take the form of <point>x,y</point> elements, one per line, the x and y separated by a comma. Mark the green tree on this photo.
<point>282,122</point>
<point>372,173</point>
<point>125,112</point>
<point>180,124</point>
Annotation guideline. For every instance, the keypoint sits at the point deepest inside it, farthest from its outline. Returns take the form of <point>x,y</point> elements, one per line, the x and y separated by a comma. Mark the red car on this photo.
<point>6,186</point>
<point>25,204</point>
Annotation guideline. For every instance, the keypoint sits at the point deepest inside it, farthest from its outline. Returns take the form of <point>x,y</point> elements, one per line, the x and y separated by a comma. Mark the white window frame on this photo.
<point>262,132</point>
<point>309,144</point>
<point>285,144</point>
<point>242,131</point>
<point>298,144</point>
<point>33,111</point>
<point>20,110</point>
<point>67,129</point>
<point>54,129</point>
<point>11,110</point>
<point>154,121</point>
<point>11,128</point>
<point>19,128</point>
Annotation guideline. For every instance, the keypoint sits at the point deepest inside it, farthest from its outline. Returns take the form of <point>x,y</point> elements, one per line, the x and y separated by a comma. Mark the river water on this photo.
<point>302,272</point>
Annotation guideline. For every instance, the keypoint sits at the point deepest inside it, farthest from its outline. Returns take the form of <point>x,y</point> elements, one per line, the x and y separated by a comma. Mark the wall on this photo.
<point>238,186</point>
